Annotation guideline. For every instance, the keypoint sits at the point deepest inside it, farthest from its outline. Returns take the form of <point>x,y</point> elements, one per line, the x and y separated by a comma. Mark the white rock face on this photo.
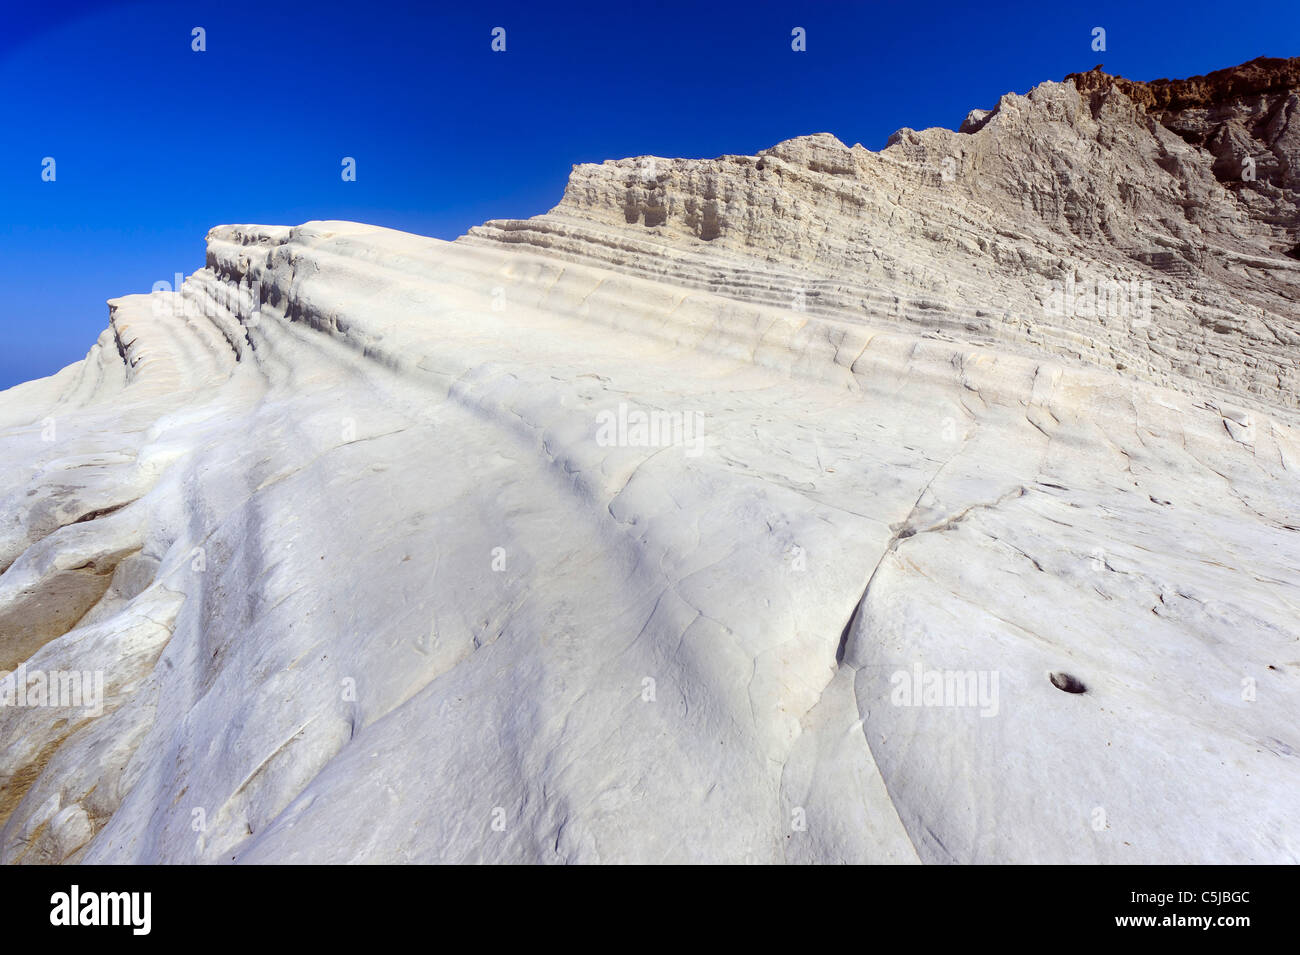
<point>627,533</point>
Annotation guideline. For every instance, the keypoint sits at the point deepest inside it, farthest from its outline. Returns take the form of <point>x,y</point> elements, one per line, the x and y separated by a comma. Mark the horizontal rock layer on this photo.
<point>1065,224</point>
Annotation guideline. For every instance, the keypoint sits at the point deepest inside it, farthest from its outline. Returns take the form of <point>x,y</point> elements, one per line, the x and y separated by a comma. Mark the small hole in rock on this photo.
<point>1068,683</point>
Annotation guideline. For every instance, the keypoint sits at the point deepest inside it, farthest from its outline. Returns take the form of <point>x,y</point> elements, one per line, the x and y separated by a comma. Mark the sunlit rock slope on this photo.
<point>940,504</point>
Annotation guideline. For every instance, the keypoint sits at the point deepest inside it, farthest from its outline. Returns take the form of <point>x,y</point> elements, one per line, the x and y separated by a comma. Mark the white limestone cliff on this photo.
<point>624,533</point>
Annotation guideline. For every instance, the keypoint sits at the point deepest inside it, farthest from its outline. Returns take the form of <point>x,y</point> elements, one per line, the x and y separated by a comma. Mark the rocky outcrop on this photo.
<point>1246,118</point>
<point>930,505</point>
<point>1261,76</point>
<point>982,235</point>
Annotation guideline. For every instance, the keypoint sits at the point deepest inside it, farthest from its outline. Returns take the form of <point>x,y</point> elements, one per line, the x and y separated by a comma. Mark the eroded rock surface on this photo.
<point>940,504</point>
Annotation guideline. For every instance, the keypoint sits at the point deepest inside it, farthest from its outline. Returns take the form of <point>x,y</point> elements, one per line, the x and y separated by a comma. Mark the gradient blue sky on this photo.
<point>155,143</point>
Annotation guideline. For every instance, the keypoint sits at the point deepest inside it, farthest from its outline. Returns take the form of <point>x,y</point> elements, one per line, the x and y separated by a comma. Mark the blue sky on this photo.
<point>155,143</point>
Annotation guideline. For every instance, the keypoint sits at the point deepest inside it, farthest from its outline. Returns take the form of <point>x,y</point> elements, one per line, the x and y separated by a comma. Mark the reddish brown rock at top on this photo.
<point>1246,117</point>
<point>1264,74</point>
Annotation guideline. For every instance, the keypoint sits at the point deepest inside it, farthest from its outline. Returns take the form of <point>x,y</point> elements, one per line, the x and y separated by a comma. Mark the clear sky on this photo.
<point>154,143</point>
